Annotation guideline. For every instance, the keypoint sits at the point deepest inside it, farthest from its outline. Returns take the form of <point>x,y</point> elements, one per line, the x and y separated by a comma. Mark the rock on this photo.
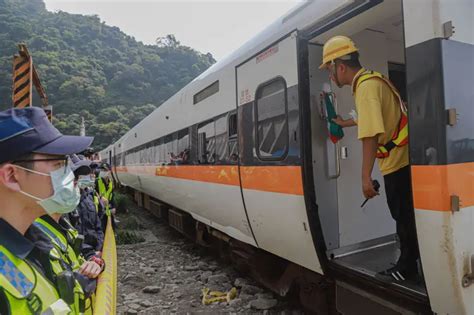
<point>263,304</point>
<point>152,310</point>
<point>235,302</point>
<point>171,287</point>
<point>151,289</point>
<point>218,279</point>
<point>134,307</point>
<point>191,268</point>
<point>133,279</point>
<point>250,289</point>
<point>131,312</point>
<point>131,296</point>
<point>239,282</point>
<point>170,269</point>
<point>146,303</point>
<point>226,286</point>
<point>246,297</point>
<point>212,267</point>
<point>148,270</point>
<point>265,295</point>
<point>205,276</point>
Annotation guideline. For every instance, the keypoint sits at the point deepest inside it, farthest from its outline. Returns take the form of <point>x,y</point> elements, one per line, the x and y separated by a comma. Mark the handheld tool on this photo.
<point>376,188</point>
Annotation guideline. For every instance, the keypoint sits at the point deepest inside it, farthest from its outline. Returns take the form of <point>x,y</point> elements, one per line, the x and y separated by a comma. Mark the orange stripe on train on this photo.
<point>433,185</point>
<point>278,179</point>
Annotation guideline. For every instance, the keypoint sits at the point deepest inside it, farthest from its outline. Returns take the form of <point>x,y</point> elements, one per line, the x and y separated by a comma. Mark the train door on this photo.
<point>270,166</point>
<point>439,76</point>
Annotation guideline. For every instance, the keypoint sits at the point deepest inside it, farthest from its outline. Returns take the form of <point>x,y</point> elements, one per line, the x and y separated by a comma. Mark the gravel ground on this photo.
<point>167,272</point>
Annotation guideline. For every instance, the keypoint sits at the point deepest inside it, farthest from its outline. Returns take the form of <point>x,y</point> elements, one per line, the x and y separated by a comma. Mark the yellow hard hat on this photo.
<point>337,47</point>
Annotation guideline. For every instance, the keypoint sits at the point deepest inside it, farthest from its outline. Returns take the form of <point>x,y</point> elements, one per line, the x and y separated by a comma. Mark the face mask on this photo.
<point>85,182</point>
<point>104,174</point>
<point>66,195</point>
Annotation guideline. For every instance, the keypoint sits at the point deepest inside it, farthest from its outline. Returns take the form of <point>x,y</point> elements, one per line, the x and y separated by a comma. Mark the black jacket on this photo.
<point>87,222</point>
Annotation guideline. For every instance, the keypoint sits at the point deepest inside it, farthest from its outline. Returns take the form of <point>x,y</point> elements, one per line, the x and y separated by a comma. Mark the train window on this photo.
<point>159,151</point>
<point>206,142</point>
<point>233,125</point>
<point>168,146</point>
<point>206,92</point>
<point>182,156</point>
<point>221,138</point>
<point>271,112</point>
<point>193,144</point>
<point>232,149</point>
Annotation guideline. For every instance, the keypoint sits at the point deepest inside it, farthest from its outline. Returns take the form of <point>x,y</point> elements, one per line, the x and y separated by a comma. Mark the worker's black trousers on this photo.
<point>400,203</point>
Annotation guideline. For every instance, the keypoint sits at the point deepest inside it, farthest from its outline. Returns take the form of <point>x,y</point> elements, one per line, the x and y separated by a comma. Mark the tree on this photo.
<point>93,70</point>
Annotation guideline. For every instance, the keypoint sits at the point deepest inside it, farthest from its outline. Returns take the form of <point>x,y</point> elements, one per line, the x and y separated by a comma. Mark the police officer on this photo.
<point>105,188</point>
<point>67,264</point>
<point>86,218</point>
<point>382,128</point>
<point>34,179</point>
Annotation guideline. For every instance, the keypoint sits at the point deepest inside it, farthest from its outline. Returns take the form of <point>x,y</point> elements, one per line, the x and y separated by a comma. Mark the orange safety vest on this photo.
<point>400,136</point>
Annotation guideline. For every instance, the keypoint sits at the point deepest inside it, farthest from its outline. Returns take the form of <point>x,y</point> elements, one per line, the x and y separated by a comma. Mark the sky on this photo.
<point>217,26</point>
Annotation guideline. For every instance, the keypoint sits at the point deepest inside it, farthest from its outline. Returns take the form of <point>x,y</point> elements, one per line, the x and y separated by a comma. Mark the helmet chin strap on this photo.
<point>336,79</point>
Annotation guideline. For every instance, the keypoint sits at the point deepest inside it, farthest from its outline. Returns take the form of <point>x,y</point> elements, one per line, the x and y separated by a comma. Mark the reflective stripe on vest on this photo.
<point>96,203</point>
<point>61,242</point>
<point>26,290</point>
<point>57,238</point>
<point>73,234</point>
<point>400,136</point>
<point>67,260</point>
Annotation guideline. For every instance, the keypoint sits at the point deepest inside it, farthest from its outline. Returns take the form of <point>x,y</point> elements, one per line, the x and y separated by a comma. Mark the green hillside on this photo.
<point>93,70</point>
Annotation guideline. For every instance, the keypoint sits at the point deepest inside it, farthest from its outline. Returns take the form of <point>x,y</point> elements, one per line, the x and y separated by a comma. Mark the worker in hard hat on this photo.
<point>383,130</point>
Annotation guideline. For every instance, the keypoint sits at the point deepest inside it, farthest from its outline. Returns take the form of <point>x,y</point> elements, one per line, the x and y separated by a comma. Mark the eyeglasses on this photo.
<point>65,159</point>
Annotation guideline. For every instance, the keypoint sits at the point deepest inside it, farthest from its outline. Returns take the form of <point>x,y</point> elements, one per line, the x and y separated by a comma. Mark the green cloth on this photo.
<point>335,131</point>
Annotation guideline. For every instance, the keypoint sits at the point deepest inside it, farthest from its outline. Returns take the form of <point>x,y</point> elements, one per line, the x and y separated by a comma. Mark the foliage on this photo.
<point>122,202</point>
<point>93,70</point>
<point>127,237</point>
<point>130,223</point>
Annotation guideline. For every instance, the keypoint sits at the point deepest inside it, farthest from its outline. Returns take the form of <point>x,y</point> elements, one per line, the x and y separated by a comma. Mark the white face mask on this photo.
<point>66,195</point>
<point>85,181</point>
<point>104,174</point>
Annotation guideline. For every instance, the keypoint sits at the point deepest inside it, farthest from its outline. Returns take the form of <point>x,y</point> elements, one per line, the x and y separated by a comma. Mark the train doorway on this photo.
<point>360,240</point>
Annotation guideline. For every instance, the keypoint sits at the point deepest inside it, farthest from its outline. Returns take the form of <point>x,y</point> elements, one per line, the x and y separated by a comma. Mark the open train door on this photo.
<point>270,164</point>
<point>440,76</point>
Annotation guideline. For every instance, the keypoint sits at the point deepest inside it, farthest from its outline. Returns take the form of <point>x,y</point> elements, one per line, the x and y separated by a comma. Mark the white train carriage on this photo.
<point>244,150</point>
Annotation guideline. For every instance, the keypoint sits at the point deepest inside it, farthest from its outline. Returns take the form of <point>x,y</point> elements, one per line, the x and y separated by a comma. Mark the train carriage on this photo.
<point>243,150</point>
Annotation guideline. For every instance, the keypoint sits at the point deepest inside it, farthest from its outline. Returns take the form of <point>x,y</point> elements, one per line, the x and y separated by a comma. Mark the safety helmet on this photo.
<point>337,47</point>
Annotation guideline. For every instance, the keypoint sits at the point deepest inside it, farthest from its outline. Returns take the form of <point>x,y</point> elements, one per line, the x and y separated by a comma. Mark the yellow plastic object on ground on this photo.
<point>209,297</point>
<point>106,293</point>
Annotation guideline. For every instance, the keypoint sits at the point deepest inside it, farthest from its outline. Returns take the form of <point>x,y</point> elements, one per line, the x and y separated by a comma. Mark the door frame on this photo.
<point>331,269</point>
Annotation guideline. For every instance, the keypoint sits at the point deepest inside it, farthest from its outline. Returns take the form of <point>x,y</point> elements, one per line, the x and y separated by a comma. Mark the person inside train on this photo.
<point>35,179</point>
<point>382,128</point>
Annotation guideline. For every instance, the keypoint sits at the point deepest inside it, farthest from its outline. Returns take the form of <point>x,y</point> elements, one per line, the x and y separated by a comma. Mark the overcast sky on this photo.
<point>218,26</point>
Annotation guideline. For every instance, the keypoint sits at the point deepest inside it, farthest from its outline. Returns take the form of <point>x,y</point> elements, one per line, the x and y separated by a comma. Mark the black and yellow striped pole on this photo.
<point>24,77</point>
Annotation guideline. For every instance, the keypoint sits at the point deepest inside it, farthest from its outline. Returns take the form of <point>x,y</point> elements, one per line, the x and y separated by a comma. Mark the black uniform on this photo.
<point>87,221</point>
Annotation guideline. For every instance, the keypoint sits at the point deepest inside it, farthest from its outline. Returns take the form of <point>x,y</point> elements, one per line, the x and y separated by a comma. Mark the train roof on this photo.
<point>310,15</point>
